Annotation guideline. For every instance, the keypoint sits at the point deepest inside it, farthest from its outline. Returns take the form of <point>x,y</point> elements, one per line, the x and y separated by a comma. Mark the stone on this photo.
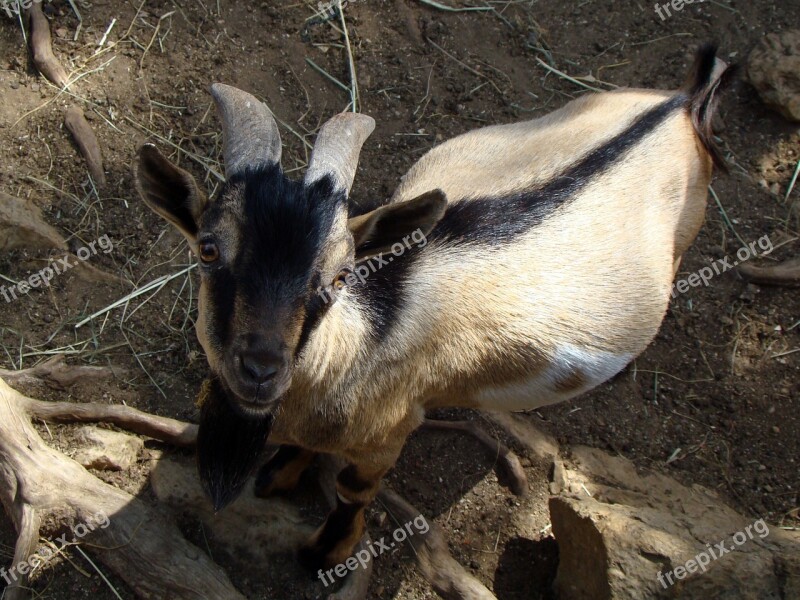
<point>774,70</point>
<point>23,226</point>
<point>106,450</point>
<point>250,529</point>
<point>623,535</point>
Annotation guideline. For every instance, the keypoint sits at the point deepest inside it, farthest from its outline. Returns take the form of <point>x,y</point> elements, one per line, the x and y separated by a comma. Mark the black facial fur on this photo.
<point>283,228</point>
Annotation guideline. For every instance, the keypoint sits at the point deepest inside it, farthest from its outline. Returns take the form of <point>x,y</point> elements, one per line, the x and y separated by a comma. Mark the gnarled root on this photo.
<point>448,578</point>
<point>509,468</point>
<point>40,485</point>
<point>786,273</point>
<point>42,47</point>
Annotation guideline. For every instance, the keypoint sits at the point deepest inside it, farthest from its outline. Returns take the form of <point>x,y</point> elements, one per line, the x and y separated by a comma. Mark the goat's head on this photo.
<point>267,244</point>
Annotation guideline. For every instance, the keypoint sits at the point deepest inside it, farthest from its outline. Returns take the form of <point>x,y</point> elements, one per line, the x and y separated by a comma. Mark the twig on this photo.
<point>99,572</point>
<point>80,19</point>
<point>789,192</point>
<point>324,73</point>
<point>155,33</point>
<point>663,37</point>
<point>159,282</point>
<point>105,35</point>
<point>725,216</point>
<point>463,64</point>
<point>794,181</point>
<point>451,9</point>
<point>353,82</point>
<point>565,76</point>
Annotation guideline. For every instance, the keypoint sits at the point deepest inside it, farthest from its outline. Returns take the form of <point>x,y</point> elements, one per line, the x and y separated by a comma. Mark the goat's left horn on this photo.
<point>337,148</point>
<point>250,133</point>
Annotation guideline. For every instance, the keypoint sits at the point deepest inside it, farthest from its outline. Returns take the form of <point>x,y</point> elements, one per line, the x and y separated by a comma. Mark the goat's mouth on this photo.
<point>255,399</point>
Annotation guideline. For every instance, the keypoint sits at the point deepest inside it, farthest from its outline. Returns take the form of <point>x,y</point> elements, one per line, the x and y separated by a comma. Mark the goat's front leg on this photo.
<point>333,543</point>
<point>282,472</point>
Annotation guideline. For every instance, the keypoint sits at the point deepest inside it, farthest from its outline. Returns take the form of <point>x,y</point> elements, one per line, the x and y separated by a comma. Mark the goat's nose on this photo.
<point>259,367</point>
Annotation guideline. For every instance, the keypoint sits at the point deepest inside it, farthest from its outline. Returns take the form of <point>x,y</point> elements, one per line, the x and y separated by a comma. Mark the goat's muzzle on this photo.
<point>257,373</point>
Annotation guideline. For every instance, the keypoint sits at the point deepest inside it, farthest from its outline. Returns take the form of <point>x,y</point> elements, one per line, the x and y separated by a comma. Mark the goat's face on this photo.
<point>267,245</point>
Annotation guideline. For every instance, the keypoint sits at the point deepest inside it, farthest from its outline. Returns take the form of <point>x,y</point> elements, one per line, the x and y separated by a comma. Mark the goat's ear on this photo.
<point>376,231</point>
<point>169,191</point>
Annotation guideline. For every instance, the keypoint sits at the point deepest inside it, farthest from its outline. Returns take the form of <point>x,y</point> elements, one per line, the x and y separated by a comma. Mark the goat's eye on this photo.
<point>340,281</point>
<point>208,252</point>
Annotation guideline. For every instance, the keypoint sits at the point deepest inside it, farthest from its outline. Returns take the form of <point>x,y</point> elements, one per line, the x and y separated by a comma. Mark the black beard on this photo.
<point>229,445</point>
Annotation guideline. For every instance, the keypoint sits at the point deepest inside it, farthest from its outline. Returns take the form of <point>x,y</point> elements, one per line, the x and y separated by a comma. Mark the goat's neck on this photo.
<point>335,348</point>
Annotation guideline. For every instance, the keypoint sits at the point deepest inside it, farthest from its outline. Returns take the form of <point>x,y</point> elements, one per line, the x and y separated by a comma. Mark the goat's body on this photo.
<point>550,251</point>
<point>556,309</point>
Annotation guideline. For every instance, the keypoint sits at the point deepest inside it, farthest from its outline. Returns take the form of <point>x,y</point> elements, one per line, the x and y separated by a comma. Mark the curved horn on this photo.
<point>337,148</point>
<point>250,134</point>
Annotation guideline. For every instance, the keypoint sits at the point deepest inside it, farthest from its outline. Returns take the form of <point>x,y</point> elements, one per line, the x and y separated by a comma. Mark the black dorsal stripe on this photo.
<point>492,221</point>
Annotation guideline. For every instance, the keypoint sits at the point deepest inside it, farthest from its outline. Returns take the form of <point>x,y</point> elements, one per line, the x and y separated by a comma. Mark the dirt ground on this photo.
<point>715,400</point>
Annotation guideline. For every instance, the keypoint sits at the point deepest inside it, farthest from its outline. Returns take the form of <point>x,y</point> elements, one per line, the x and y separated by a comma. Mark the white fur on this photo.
<point>541,390</point>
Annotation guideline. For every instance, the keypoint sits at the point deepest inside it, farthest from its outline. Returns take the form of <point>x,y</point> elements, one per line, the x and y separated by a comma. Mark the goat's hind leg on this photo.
<point>509,468</point>
<point>281,473</point>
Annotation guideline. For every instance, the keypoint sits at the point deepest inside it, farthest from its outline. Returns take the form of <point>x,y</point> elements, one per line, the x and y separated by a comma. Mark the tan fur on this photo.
<point>594,276</point>
<point>287,478</point>
<point>514,326</point>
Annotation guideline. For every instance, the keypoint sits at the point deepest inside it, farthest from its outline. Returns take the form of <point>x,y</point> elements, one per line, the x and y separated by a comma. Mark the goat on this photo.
<point>550,250</point>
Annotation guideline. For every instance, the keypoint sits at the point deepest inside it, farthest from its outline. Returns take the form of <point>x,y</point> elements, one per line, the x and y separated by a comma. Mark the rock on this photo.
<point>107,450</point>
<point>614,543</point>
<point>22,226</point>
<point>249,529</point>
<point>774,70</point>
<point>558,482</point>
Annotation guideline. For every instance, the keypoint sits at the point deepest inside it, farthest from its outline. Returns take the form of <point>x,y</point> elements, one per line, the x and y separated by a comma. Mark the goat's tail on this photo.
<point>709,75</point>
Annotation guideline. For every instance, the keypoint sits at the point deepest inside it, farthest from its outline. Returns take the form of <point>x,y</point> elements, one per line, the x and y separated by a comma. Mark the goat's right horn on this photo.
<point>250,133</point>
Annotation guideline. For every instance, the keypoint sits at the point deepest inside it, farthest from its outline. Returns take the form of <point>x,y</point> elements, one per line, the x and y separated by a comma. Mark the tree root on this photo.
<point>448,578</point>
<point>56,373</point>
<point>23,226</point>
<point>786,273</point>
<point>84,136</point>
<point>42,47</point>
<point>509,468</point>
<point>40,485</point>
